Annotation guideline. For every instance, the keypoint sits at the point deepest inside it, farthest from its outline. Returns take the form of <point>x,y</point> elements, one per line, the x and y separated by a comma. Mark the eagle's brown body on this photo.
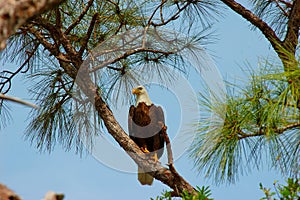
<point>145,125</point>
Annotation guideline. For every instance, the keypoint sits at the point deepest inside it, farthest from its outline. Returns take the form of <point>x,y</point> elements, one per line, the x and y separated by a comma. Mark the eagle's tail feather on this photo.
<point>144,178</point>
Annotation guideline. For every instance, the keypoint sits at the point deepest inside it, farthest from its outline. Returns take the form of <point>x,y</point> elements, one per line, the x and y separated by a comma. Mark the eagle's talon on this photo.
<point>145,150</point>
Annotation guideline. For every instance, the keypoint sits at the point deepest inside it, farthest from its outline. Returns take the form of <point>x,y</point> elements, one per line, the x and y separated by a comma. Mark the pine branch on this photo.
<point>243,135</point>
<point>168,176</point>
<point>285,49</point>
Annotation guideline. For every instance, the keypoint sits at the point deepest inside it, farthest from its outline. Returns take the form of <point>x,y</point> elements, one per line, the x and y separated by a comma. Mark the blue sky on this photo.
<point>31,174</point>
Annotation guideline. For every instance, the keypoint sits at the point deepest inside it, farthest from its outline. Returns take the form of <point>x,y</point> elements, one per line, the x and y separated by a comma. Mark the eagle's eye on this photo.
<point>139,88</point>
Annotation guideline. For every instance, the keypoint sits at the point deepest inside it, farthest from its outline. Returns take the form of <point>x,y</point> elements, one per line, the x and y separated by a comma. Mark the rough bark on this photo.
<point>14,13</point>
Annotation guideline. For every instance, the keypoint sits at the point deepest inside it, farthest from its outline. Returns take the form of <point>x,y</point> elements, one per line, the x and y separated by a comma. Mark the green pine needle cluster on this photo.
<point>258,120</point>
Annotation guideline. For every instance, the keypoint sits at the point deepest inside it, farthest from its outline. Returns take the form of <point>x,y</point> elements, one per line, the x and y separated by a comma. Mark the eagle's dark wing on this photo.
<point>158,138</point>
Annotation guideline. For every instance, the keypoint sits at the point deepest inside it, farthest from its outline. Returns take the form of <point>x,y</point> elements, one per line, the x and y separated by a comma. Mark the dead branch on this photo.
<point>17,100</point>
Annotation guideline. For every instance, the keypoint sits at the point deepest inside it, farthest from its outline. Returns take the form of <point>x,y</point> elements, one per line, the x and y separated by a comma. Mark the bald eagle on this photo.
<point>146,124</point>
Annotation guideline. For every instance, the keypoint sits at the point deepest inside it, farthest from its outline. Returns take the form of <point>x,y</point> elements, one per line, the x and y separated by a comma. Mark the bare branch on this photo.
<point>8,194</point>
<point>288,127</point>
<point>17,100</point>
<point>122,70</point>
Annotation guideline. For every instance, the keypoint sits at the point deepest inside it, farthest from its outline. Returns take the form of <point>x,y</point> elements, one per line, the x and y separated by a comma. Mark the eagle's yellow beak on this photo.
<point>135,91</point>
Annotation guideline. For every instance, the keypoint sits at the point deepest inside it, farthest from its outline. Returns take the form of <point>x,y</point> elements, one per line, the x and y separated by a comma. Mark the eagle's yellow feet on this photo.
<point>145,150</point>
<point>153,156</point>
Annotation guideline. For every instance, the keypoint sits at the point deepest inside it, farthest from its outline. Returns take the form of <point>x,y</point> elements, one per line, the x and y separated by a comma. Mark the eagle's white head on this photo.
<point>141,95</point>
